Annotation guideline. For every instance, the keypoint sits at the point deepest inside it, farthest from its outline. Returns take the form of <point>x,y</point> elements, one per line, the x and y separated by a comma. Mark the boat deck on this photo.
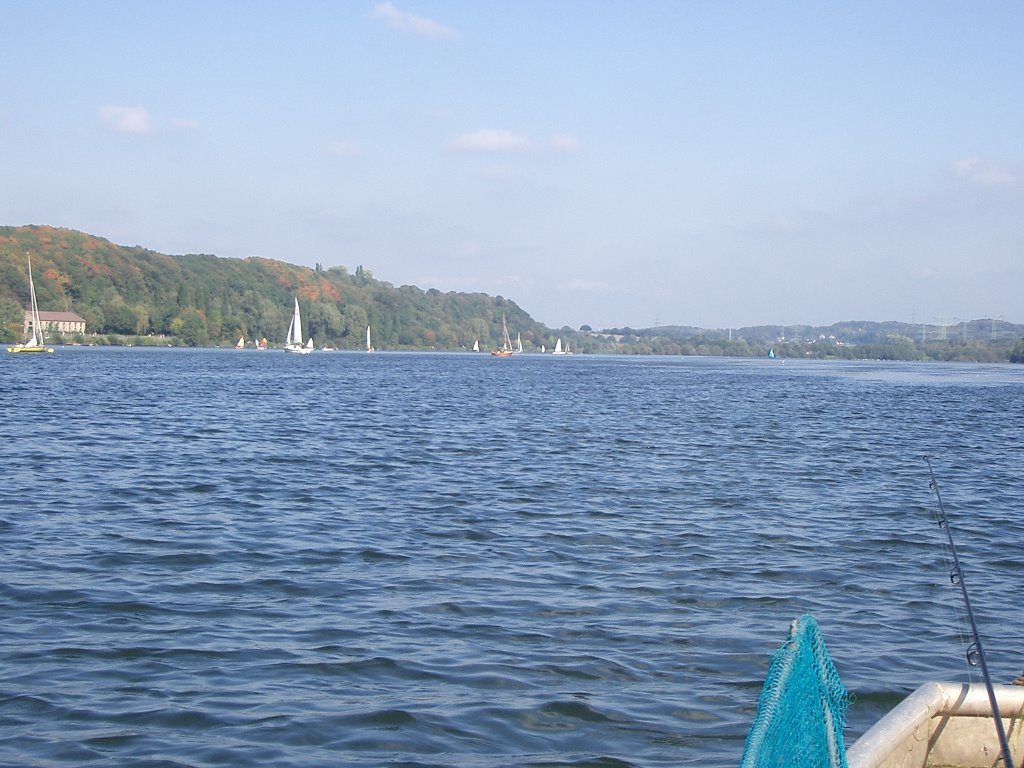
<point>943,725</point>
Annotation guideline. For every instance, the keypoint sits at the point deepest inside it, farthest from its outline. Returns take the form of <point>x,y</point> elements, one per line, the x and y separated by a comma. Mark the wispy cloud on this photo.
<point>491,141</point>
<point>126,119</point>
<point>507,142</point>
<point>344,149</point>
<point>408,22</point>
<point>987,174</point>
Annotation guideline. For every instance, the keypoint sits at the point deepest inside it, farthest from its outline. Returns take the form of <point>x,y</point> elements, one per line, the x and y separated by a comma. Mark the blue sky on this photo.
<point>716,164</point>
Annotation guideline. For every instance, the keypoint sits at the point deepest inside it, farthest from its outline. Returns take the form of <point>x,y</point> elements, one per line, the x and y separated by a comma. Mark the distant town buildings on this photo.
<point>56,322</point>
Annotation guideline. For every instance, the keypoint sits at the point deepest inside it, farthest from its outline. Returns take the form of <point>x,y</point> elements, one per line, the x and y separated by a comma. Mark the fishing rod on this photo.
<point>975,654</point>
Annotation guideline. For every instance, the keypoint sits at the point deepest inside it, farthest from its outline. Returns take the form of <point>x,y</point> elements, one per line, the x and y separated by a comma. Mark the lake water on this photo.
<point>213,558</point>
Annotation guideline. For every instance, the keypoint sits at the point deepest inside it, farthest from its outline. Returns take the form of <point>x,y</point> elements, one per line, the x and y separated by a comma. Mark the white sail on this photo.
<point>519,342</point>
<point>476,345</point>
<point>38,336</point>
<point>558,348</point>
<point>34,343</point>
<point>293,341</point>
<point>369,346</point>
<point>296,325</point>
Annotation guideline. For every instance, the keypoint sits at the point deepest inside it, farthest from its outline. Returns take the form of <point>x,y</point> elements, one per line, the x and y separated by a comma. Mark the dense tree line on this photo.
<point>133,293</point>
<point>1006,348</point>
<point>200,299</point>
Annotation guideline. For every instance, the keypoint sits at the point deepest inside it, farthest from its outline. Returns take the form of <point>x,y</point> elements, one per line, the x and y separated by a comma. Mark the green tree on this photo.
<point>12,319</point>
<point>120,318</point>
<point>1017,355</point>
<point>190,326</point>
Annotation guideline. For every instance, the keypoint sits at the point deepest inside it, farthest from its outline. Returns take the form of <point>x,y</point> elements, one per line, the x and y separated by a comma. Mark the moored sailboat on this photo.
<point>36,340</point>
<point>293,341</point>
<point>506,345</point>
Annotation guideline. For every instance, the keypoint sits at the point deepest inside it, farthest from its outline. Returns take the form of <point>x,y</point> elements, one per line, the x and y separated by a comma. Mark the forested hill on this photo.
<point>135,295</point>
<point>202,299</point>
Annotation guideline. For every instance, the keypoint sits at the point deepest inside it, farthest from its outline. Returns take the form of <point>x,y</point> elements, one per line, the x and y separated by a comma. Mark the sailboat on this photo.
<point>558,349</point>
<point>476,345</point>
<point>261,344</point>
<point>519,343</point>
<point>771,352</point>
<point>241,343</point>
<point>369,346</point>
<point>293,341</point>
<point>506,345</point>
<point>35,342</point>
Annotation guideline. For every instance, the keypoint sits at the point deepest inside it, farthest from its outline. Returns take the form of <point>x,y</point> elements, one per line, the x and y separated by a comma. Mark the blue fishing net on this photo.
<point>802,707</point>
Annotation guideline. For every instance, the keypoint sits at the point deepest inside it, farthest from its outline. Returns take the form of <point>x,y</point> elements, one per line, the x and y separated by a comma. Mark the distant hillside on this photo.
<point>985,340</point>
<point>201,299</point>
<point>133,294</point>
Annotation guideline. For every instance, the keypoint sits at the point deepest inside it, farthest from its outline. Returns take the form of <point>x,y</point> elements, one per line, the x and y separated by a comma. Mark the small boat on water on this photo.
<point>293,341</point>
<point>36,340</point>
<point>369,346</point>
<point>476,345</point>
<point>802,707</point>
<point>240,344</point>
<point>943,724</point>
<point>558,349</point>
<point>506,345</point>
<point>261,344</point>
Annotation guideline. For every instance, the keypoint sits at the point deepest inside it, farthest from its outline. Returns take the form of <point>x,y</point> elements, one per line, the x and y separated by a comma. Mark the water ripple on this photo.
<point>446,560</point>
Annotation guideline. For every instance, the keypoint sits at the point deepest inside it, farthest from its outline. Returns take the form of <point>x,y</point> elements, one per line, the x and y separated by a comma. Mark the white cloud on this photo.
<point>491,141</point>
<point>988,174</point>
<point>408,22</point>
<point>563,142</point>
<point>344,149</point>
<point>127,119</point>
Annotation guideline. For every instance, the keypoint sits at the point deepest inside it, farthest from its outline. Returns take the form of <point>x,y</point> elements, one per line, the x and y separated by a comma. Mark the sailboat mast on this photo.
<point>508,342</point>
<point>37,331</point>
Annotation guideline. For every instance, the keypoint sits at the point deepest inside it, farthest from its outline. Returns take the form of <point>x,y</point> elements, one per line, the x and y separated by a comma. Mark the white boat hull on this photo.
<point>943,724</point>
